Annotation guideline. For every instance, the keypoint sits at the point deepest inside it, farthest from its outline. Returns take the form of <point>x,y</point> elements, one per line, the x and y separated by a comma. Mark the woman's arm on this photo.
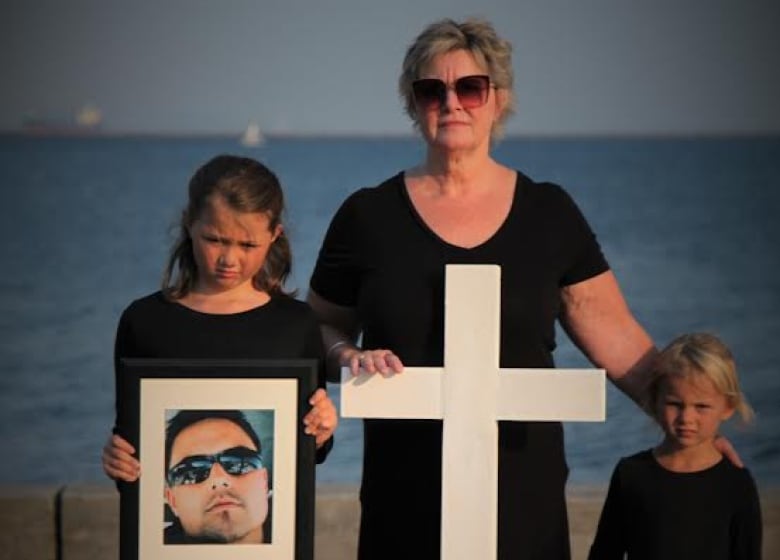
<point>596,317</point>
<point>340,329</point>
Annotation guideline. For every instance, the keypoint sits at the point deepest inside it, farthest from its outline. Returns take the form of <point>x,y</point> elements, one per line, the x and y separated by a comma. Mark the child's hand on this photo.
<point>322,419</point>
<point>118,460</point>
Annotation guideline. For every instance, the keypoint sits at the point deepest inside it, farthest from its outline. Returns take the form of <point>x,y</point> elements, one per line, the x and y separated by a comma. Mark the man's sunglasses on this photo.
<point>431,93</point>
<point>197,468</point>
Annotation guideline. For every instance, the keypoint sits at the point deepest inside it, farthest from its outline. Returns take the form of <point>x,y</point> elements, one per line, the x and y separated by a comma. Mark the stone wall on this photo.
<point>80,522</point>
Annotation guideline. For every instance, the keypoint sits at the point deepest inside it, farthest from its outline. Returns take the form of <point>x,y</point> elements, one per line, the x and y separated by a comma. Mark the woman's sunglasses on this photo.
<point>431,93</point>
<point>197,468</point>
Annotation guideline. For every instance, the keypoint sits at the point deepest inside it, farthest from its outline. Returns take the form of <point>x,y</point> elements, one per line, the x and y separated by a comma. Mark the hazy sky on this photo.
<point>330,66</point>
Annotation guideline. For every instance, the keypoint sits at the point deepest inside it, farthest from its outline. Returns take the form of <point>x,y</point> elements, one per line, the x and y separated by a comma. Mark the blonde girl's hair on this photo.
<point>696,355</point>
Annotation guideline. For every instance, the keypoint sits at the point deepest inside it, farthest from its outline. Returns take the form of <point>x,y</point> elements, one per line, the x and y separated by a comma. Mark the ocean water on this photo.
<point>690,227</point>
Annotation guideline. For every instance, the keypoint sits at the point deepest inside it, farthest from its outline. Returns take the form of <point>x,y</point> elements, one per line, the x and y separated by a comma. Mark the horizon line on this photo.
<point>76,132</point>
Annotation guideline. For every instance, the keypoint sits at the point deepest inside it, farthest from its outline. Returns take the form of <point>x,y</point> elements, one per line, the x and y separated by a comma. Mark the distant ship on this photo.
<point>252,135</point>
<point>89,116</point>
<point>86,120</point>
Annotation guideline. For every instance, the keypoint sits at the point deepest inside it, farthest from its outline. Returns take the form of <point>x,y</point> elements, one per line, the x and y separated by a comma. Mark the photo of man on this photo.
<point>216,484</point>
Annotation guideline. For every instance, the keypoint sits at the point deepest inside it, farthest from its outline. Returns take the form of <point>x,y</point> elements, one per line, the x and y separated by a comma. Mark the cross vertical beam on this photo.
<point>472,335</point>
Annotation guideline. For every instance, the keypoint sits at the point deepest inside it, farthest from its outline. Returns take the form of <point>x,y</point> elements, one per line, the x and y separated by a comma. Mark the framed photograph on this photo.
<point>224,459</point>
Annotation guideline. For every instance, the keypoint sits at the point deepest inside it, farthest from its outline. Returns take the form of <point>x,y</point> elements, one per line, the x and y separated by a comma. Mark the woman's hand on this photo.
<point>118,460</point>
<point>724,446</point>
<point>322,419</point>
<point>340,328</point>
<point>374,361</point>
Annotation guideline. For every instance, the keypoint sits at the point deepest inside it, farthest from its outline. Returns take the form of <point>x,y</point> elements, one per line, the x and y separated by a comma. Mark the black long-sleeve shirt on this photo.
<point>652,513</point>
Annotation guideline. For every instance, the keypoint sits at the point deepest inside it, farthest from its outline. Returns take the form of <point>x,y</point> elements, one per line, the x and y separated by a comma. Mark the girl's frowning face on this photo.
<point>229,247</point>
<point>690,410</point>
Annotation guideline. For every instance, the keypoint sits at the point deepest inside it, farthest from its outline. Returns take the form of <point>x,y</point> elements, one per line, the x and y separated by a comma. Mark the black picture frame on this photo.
<point>149,386</point>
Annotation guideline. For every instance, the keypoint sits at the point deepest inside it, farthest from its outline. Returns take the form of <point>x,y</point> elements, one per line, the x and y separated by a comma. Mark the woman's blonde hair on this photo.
<point>697,355</point>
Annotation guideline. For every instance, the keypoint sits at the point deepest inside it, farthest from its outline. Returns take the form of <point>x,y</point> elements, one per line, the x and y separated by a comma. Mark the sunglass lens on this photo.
<point>236,464</point>
<point>190,472</point>
<point>472,90</point>
<point>429,92</point>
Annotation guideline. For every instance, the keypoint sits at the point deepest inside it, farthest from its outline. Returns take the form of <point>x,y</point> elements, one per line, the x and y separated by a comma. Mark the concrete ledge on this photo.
<point>89,522</point>
<point>81,521</point>
<point>584,506</point>
<point>28,517</point>
<point>336,519</point>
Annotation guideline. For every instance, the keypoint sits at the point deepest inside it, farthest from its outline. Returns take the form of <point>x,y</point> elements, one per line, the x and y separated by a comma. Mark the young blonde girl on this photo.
<point>683,499</point>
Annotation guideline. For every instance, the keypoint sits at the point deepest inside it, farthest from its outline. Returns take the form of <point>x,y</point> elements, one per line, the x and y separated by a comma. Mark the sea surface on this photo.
<point>690,227</point>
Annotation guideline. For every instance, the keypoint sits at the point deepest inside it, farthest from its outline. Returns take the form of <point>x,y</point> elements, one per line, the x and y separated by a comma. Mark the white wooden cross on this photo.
<point>470,394</point>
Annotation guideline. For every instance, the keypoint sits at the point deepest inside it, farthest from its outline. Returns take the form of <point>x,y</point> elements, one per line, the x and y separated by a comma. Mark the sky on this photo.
<point>331,66</point>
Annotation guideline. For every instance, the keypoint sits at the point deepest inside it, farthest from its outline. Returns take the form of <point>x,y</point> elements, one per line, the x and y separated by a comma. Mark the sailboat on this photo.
<point>252,135</point>
<point>86,120</point>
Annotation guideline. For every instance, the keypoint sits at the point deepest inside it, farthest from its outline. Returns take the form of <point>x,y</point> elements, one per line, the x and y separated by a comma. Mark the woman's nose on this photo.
<point>451,100</point>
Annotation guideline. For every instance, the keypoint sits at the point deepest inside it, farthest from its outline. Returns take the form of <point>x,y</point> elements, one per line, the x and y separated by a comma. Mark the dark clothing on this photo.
<point>154,327</point>
<point>655,514</point>
<point>380,258</point>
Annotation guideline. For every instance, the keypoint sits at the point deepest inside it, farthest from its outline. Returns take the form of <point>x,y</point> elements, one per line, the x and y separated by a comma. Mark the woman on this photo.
<point>381,273</point>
